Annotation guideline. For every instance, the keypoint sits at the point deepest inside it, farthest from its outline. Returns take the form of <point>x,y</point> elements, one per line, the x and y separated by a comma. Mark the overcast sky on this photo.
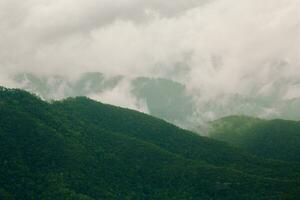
<point>213,46</point>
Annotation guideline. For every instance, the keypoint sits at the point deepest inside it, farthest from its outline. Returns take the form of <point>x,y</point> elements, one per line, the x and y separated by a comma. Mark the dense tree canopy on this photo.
<point>82,149</point>
<point>276,139</point>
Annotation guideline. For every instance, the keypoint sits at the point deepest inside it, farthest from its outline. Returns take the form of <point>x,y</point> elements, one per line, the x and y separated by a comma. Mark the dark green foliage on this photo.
<point>81,149</point>
<point>277,139</point>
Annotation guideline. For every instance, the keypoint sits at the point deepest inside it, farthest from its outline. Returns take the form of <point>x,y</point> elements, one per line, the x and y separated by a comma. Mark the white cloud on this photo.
<point>121,95</point>
<point>226,46</point>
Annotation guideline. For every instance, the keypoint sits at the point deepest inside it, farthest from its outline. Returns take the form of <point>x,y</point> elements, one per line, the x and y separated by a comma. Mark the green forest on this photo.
<point>81,149</point>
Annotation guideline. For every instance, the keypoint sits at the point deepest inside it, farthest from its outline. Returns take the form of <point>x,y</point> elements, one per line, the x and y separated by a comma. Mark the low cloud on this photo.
<point>121,95</point>
<point>214,47</point>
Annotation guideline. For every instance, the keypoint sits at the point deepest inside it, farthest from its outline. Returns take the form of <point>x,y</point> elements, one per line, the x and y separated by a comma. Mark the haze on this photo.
<point>214,48</point>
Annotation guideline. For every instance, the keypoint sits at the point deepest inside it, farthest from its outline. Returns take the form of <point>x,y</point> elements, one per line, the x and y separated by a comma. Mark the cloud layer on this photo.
<point>214,47</point>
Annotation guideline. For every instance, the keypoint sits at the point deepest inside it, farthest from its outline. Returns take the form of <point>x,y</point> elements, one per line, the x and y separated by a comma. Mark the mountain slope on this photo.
<point>277,139</point>
<point>164,98</point>
<point>164,135</point>
<point>81,149</point>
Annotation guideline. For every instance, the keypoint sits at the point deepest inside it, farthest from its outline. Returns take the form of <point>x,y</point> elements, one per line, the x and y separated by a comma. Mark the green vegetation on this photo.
<point>276,139</point>
<point>82,149</point>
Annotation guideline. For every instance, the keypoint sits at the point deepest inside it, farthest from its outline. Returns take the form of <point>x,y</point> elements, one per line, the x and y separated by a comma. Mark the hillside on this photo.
<point>173,105</point>
<point>176,103</point>
<point>81,149</point>
<point>277,139</point>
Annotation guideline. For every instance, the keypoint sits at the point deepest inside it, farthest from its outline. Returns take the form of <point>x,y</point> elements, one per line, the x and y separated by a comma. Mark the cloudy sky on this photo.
<point>213,46</point>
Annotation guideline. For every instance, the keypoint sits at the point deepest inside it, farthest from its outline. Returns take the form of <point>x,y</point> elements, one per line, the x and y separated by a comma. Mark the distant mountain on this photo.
<point>58,87</point>
<point>277,139</point>
<point>81,149</point>
<point>164,98</point>
<point>168,99</point>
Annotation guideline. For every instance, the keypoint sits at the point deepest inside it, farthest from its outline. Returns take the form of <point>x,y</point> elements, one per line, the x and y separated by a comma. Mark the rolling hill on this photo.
<point>276,139</point>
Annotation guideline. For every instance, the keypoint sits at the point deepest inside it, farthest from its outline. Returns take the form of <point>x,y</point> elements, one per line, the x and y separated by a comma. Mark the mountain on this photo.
<point>165,99</point>
<point>58,87</point>
<point>81,149</point>
<point>171,100</point>
<point>174,103</point>
<point>276,139</point>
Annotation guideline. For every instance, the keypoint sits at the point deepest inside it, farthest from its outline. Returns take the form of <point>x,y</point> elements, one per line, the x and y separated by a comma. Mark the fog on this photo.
<point>215,47</point>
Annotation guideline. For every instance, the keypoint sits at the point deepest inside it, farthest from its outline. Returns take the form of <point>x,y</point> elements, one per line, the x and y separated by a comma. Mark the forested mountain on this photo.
<point>174,104</point>
<point>168,99</point>
<point>277,139</point>
<point>81,149</point>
